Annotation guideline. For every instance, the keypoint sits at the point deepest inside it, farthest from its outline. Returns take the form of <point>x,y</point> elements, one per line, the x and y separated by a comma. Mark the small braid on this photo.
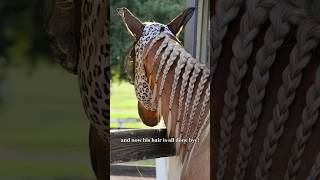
<point>205,123</point>
<point>203,81</point>
<point>180,65</point>
<point>161,47</point>
<point>192,80</point>
<point>175,52</point>
<point>205,126</point>
<point>299,58</point>
<point>154,40</point>
<point>315,170</point>
<point>205,102</point>
<point>253,18</point>
<point>265,57</point>
<point>185,78</point>
<point>310,117</point>
<point>226,11</point>
<point>163,59</point>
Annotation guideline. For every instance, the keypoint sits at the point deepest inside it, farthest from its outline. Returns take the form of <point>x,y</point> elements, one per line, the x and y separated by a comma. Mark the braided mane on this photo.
<point>283,20</point>
<point>171,84</point>
<point>187,70</point>
<point>191,77</point>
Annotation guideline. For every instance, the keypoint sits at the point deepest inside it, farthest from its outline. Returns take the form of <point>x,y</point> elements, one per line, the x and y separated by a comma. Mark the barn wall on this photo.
<point>197,30</point>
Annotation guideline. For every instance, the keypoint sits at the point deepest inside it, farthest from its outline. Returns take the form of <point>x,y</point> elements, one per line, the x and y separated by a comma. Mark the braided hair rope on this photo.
<point>163,44</point>
<point>175,52</point>
<point>226,11</point>
<point>315,170</point>
<point>205,128</point>
<point>193,69</point>
<point>185,78</point>
<point>253,18</point>
<point>187,67</point>
<point>161,48</point>
<point>204,131</point>
<point>203,81</point>
<point>265,57</point>
<point>199,129</point>
<point>164,57</point>
<point>299,58</point>
<point>180,65</point>
<point>310,117</point>
<point>190,90</point>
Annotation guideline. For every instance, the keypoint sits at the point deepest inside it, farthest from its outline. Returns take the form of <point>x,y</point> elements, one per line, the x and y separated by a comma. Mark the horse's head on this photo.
<point>135,65</point>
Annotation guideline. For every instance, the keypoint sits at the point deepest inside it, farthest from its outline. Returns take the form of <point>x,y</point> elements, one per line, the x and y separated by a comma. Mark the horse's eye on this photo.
<point>129,65</point>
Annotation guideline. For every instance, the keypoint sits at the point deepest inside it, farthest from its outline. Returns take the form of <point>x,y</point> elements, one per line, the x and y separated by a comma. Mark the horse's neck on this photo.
<point>181,89</point>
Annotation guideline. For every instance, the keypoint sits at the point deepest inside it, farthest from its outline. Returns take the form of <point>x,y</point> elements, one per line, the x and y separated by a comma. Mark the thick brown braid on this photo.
<point>299,58</point>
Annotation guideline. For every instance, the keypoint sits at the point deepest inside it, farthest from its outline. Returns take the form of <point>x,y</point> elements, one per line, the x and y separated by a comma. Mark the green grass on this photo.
<point>43,127</point>
<point>52,170</point>
<point>124,104</point>
<point>123,101</point>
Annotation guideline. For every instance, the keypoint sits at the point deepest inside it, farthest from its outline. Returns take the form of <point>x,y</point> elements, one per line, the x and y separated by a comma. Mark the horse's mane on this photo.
<point>283,20</point>
<point>173,53</point>
<point>188,71</point>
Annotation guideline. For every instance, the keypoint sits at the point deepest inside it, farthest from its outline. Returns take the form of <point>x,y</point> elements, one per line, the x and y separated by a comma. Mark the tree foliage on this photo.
<point>22,34</point>
<point>23,39</point>
<point>162,11</point>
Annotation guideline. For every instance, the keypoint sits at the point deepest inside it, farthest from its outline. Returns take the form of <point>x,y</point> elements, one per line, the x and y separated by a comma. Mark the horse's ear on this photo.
<point>178,22</point>
<point>133,24</point>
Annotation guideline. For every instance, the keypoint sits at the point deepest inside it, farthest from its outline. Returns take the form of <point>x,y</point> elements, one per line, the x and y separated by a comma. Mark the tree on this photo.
<point>147,10</point>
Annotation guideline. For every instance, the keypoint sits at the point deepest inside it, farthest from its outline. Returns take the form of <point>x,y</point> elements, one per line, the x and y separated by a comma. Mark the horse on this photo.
<point>172,85</point>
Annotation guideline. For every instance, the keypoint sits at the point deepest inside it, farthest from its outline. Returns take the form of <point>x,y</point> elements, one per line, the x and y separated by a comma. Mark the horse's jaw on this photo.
<point>149,118</point>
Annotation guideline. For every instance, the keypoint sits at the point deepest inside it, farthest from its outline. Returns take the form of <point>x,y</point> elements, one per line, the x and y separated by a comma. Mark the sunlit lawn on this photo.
<point>123,103</point>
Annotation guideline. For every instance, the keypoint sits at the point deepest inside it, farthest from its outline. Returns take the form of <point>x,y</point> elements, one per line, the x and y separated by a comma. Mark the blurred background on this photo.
<point>43,128</point>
